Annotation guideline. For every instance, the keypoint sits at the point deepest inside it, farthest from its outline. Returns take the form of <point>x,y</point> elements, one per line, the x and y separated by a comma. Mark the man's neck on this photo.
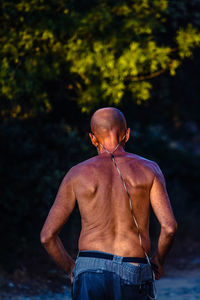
<point>110,149</point>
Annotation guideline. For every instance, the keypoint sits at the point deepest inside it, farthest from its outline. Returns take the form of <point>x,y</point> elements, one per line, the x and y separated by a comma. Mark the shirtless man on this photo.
<point>113,261</point>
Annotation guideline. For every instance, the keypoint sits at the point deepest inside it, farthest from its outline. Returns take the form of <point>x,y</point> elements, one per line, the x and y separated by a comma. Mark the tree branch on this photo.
<point>149,76</point>
<point>155,74</point>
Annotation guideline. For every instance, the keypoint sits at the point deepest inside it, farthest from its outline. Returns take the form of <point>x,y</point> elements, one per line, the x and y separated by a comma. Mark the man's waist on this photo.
<point>109,256</point>
<point>128,243</point>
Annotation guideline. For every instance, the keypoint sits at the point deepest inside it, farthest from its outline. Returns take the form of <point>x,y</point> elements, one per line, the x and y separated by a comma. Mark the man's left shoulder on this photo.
<point>143,161</point>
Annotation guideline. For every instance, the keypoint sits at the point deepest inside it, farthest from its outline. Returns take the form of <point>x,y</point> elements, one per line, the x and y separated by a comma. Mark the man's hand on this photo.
<point>157,268</point>
<point>70,274</point>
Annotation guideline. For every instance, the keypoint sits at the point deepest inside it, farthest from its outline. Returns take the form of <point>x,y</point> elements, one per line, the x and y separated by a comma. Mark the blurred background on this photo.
<point>62,60</point>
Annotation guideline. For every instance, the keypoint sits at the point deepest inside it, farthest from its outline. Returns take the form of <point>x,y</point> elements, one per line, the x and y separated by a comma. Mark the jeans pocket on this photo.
<point>130,267</point>
<point>86,282</point>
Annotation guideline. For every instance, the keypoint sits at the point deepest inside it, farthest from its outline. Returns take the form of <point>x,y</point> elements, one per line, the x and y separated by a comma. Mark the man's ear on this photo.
<point>93,139</point>
<point>127,135</point>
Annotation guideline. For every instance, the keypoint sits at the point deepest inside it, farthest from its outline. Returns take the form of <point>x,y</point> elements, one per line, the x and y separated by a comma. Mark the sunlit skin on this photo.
<point>107,223</point>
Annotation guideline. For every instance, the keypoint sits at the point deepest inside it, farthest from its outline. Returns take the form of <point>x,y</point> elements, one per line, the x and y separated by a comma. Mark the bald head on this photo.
<point>107,120</point>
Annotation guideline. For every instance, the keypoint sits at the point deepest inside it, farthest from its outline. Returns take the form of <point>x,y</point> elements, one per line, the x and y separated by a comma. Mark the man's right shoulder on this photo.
<point>81,167</point>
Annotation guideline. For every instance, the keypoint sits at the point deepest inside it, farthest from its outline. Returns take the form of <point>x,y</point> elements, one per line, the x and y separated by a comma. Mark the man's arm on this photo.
<point>162,208</point>
<point>58,215</point>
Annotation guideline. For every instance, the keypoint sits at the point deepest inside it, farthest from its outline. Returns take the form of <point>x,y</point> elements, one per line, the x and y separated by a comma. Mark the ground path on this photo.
<point>180,285</point>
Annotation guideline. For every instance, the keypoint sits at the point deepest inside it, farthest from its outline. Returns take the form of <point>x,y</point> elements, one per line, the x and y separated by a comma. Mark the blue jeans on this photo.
<point>99,279</point>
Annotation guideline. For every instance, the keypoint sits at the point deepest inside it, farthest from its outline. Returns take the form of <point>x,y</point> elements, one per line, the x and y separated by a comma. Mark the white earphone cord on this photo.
<point>131,208</point>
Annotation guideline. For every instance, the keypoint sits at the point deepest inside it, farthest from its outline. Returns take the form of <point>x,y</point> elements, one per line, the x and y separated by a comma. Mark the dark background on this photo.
<point>46,108</point>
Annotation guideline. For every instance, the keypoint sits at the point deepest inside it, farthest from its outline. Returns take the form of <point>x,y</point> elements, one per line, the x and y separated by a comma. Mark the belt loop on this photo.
<point>118,259</point>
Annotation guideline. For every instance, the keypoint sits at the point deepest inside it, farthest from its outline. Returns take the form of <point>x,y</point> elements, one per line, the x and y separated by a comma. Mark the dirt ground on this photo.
<point>179,285</point>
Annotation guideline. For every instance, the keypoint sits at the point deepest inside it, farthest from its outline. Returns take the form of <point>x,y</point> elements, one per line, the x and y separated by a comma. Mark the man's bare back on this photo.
<point>107,222</point>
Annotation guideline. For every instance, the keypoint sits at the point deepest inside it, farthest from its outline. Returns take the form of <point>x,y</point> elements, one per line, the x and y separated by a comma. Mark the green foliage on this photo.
<point>187,39</point>
<point>94,52</point>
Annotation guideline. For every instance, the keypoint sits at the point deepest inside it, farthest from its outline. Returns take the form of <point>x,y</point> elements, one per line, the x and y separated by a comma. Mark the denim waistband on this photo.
<point>135,274</point>
<point>110,257</point>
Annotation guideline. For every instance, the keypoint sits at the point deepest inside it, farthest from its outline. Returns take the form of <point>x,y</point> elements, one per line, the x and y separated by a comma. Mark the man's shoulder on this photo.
<point>86,163</point>
<point>82,166</point>
<point>87,167</point>
<point>144,162</point>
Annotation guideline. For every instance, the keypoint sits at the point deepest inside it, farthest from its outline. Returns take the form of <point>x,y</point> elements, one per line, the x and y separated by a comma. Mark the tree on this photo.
<point>89,52</point>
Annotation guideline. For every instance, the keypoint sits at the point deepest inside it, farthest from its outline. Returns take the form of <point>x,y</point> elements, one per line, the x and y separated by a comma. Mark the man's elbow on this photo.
<point>46,237</point>
<point>171,229</point>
